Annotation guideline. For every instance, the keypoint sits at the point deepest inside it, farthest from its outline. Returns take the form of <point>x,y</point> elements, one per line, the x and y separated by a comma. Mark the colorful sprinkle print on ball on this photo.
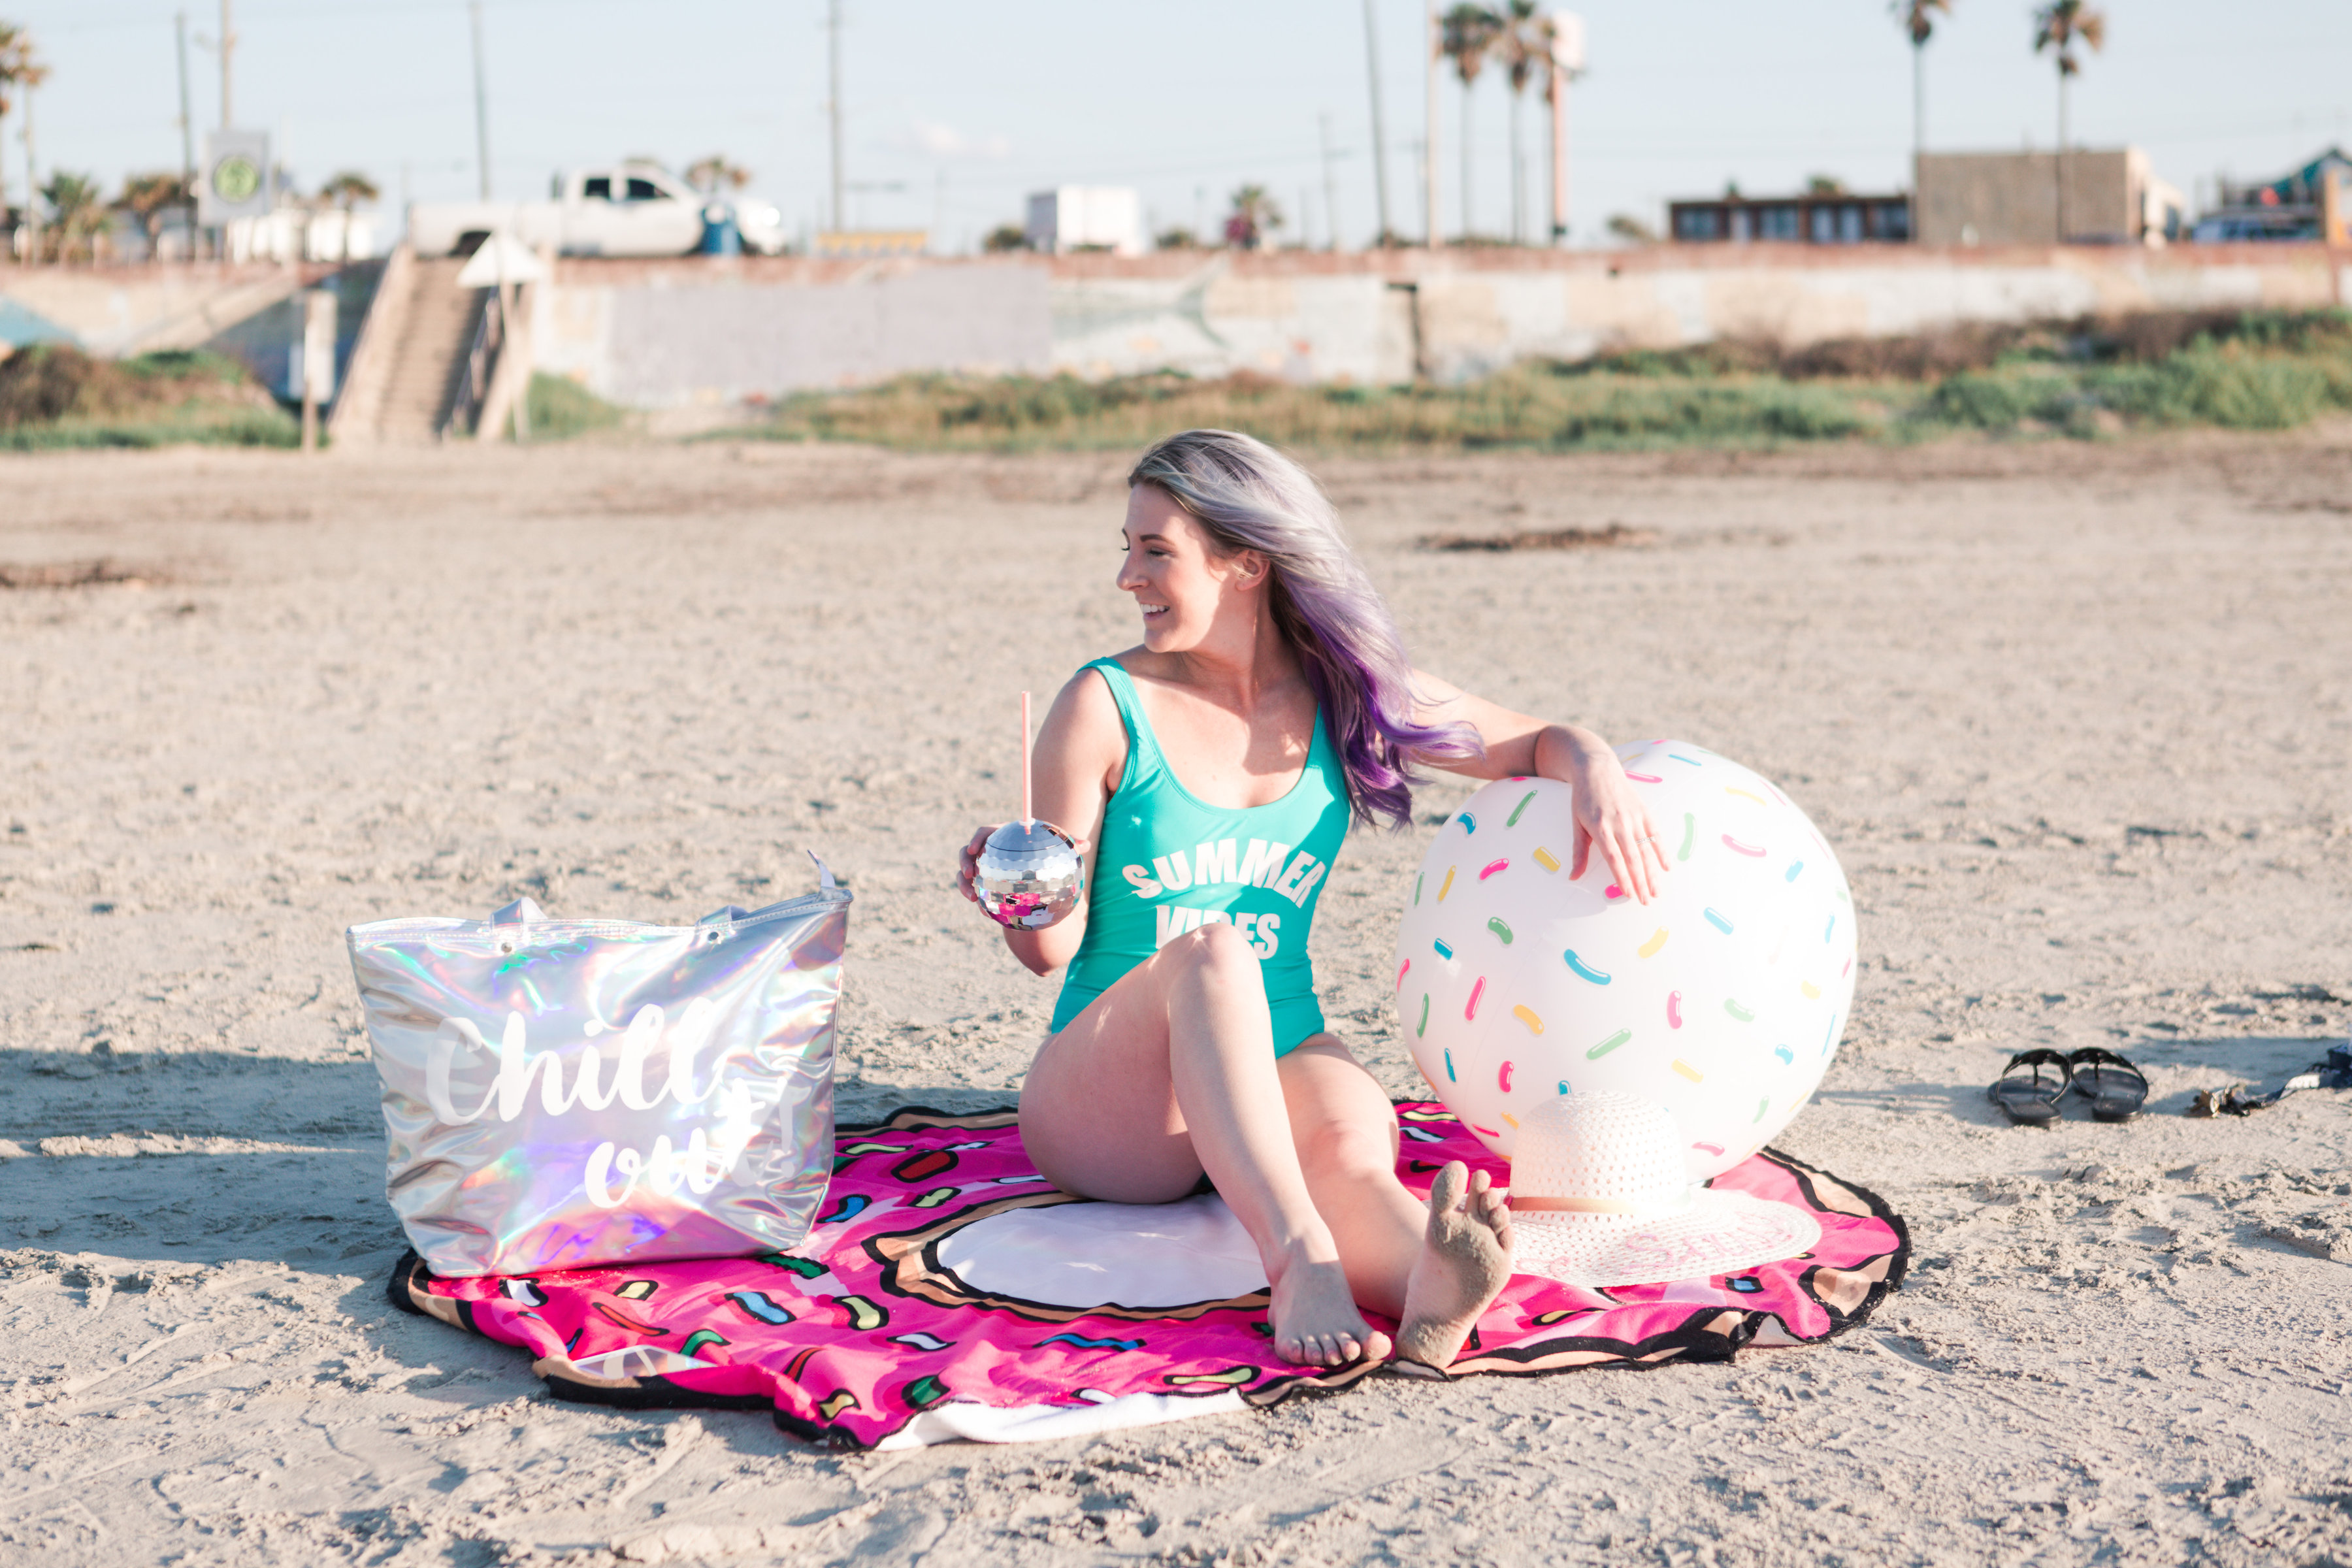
<point>1722,1001</point>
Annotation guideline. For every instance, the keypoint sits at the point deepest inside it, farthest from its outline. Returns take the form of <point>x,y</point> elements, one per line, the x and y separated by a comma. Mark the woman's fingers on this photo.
<point>1637,857</point>
<point>1654,844</point>
<point>1628,855</point>
<point>1629,840</point>
<point>1623,866</point>
<point>1654,860</point>
<point>968,861</point>
<point>1582,851</point>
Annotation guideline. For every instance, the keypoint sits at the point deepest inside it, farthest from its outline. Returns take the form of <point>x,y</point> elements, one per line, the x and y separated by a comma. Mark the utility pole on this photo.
<point>227,49</point>
<point>481,103</point>
<point>187,136</point>
<point>1567,65</point>
<point>1435,52</point>
<point>833,104</point>
<point>1380,129</point>
<point>32,184</point>
<point>1330,189</point>
<point>1918,108</point>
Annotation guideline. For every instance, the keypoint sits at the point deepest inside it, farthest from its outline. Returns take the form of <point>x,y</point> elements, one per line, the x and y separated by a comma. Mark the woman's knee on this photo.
<point>1218,949</point>
<point>1347,1146</point>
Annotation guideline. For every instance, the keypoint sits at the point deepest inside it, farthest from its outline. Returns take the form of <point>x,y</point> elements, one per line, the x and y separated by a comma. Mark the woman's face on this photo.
<point>1181,585</point>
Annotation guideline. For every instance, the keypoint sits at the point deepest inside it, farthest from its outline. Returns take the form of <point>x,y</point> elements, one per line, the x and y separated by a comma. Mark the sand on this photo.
<point>2074,716</point>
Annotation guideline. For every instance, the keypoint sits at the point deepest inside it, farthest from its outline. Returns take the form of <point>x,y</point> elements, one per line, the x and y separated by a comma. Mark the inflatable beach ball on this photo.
<point>1721,1001</point>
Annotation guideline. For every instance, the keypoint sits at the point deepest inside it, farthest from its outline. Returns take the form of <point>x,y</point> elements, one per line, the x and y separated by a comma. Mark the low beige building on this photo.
<point>2012,198</point>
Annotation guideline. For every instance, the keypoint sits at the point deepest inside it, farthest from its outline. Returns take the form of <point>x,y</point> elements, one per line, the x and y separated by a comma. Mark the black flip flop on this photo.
<point>2115,1089</point>
<point>2032,1100</point>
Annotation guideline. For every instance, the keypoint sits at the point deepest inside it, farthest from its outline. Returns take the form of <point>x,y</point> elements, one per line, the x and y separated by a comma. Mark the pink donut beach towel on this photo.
<point>947,1291</point>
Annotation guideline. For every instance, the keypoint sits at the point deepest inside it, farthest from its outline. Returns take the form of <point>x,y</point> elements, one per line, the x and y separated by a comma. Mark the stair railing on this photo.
<point>474,375</point>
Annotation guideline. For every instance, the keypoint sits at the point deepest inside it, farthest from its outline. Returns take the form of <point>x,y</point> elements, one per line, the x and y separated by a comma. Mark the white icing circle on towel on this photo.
<point>1095,1255</point>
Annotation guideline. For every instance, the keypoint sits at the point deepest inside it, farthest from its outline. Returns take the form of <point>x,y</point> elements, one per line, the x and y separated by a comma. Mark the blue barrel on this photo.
<point>720,235</point>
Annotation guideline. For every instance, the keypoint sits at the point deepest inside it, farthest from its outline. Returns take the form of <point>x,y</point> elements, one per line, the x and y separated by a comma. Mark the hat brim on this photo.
<point>1720,1233</point>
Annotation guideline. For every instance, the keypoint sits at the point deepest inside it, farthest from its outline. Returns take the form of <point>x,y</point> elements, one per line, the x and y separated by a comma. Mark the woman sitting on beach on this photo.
<point>1209,775</point>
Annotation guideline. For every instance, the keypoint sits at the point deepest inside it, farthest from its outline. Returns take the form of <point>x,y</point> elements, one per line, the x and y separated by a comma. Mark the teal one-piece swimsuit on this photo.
<point>1166,864</point>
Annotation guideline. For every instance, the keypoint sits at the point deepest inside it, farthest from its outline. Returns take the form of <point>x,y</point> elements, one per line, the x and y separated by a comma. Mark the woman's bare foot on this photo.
<point>1464,1266</point>
<point>1315,1318</point>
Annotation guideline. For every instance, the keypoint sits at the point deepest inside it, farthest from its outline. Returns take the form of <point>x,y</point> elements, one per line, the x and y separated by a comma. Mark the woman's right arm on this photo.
<point>1081,751</point>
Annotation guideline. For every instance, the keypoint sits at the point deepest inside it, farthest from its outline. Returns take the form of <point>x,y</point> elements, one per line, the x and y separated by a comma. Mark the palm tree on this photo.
<point>1525,42</point>
<point>2059,26</point>
<point>348,189</point>
<point>145,196</point>
<point>709,174</point>
<point>1919,19</point>
<point>1466,35</point>
<point>1253,215</point>
<point>75,209</point>
<point>18,69</point>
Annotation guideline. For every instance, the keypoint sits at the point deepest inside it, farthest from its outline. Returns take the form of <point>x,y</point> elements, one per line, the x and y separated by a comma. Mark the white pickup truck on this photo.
<point>628,209</point>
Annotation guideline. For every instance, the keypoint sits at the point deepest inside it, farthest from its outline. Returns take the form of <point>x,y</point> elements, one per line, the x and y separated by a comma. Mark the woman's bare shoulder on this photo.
<point>1084,728</point>
<point>1086,702</point>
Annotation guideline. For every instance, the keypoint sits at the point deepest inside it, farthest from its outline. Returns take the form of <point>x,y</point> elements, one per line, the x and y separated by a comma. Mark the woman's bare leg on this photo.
<point>1346,1134</point>
<point>1171,1072</point>
<point>1434,1267</point>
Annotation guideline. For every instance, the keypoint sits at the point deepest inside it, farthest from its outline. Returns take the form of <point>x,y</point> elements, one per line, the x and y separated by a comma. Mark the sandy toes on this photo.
<point>1315,1318</point>
<point>1464,1266</point>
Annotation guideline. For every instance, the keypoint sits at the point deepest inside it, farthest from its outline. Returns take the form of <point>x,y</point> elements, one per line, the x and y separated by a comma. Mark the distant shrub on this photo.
<point>560,408</point>
<point>240,427</point>
<point>2206,386</point>
<point>55,395</point>
<point>1744,413</point>
<point>1525,406</point>
<point>1983,401</point>
<point>2246,371</point>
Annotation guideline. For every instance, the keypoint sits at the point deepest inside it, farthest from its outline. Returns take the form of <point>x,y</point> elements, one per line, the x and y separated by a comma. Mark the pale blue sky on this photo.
<point>1184,101</point>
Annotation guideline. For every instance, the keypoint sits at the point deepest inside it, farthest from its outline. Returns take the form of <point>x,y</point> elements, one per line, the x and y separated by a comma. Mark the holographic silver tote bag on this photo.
<point>564,1093</point>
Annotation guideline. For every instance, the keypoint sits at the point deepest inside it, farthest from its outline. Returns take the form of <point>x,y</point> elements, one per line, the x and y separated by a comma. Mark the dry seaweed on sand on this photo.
<point>104,571</point>
<point>1614,535</point>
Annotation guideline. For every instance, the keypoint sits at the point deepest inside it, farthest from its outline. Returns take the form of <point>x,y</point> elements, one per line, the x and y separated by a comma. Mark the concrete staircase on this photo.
<point>401,394</point>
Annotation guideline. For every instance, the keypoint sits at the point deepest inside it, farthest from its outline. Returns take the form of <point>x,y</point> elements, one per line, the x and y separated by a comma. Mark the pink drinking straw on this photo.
<point>1028,819</point>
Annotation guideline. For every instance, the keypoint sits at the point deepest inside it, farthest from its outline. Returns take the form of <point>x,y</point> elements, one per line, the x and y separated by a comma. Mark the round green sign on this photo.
<point>235,179</point>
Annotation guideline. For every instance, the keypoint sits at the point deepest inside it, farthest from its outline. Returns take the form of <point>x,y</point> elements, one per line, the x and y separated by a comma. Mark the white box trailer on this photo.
<point>1086,218</point>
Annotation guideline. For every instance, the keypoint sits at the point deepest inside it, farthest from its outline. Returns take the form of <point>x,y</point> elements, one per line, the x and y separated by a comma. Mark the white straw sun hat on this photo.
<point>1599,1196</point>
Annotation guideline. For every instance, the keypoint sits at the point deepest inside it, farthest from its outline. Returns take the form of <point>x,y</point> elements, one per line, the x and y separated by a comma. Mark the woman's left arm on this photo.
<point>1608,811</point>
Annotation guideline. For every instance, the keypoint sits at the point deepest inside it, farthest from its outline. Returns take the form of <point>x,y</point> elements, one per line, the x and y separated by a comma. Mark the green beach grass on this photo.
<point>54,398</point>
<point>2265,370</point>
<point>2083,380</point>
<point>561,408</point>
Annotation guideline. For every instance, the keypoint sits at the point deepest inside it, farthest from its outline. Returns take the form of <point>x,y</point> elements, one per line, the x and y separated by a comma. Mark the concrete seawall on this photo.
<point>667,334</point>
<point>676,332</point>
<point>244,309</point>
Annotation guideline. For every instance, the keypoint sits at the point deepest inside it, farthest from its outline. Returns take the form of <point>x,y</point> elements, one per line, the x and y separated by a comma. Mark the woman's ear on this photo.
<point>1249,566</point>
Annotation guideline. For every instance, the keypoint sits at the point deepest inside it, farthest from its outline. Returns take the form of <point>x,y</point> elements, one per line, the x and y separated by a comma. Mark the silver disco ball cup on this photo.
<point>1030,874</point>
